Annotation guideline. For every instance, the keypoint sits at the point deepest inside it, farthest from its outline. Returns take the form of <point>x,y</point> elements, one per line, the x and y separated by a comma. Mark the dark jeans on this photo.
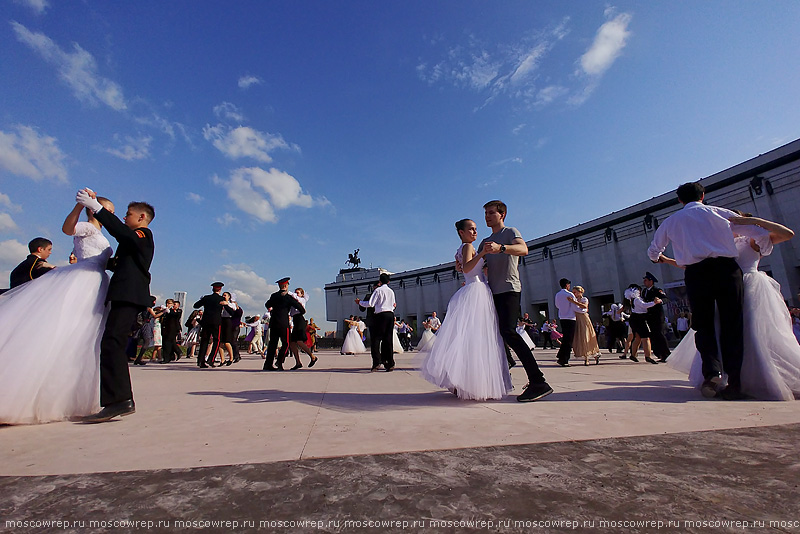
<point>568,329</point>
<point>717,281</point>
<point>381,344</point>
<point>115,379</point>
<point>508,312</point>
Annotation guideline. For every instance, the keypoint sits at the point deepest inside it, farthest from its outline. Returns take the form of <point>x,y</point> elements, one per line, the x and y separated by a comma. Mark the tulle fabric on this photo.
<point>352,342</point>
<point>426,341</point>
<point>50,345</point>
<point>396,346</point>
<point>469,355</point>
<point>771,363</point>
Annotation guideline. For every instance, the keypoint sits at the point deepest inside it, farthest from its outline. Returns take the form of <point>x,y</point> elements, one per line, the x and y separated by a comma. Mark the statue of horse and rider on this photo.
<point>353,259</point>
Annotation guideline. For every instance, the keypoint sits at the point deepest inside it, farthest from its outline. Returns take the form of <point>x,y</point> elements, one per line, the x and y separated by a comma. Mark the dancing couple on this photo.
<point>756,354</point>
<point>470,356</point>
<point>80,365</point>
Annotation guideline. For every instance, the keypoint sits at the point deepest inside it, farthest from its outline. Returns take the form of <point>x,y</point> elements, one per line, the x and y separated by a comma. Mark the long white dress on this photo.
<point>50,337</point>
<point>771,364</point>
<point>427,340</point>
<point>352,342</point>
<point>397,347</point>
<point>469,355</point>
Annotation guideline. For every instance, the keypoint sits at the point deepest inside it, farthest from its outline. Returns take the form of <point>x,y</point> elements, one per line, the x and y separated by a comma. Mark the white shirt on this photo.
<point>615,313</point>
<point>578,309</point>
<point>435,323</point>
<point>382,300</point>
<point>698,232</point>
<point>683,324</point>
<point>566,309</point>
<point>640,306</point>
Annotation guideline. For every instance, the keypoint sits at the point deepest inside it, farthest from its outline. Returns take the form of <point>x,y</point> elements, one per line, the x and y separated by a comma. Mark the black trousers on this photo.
<point>508,312</point>
<point>208,332</point>
<point>115,379</point>
<point>568,329</point>
<point>717,281</point>
<point>381,339</point>
<point>170,351</point>
<point>547,340</point>
<point>277,333</point>
<point>616,331</point>
<point>658,341</point>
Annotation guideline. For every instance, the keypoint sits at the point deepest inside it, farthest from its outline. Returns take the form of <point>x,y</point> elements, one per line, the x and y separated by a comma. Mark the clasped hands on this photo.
<point>88,198</point>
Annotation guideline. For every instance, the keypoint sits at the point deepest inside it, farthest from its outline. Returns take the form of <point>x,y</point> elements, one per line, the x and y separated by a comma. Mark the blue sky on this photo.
<point>274,138</point>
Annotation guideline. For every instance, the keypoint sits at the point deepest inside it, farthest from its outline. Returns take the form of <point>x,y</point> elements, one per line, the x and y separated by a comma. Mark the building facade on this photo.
<point>606,254</point>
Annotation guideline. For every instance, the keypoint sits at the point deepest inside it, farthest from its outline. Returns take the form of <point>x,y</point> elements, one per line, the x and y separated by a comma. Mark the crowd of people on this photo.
<point>738,341</point>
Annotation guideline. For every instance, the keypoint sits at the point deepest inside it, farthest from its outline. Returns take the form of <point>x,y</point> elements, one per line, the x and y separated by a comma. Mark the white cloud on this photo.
<point>194,197</point>
<point>77,68</point>
<point>260,193</point>
<point>250,289</point>
<point>228,111</point>
<point>39,6</point>
<point>227,219</point>
<point>132,149</point>
<point>5,200</point>
<point>12,252</point>
<point>549,94</point>
<point>611,38</point>
<point>7,223</point>
<point>244,142</point>
<point>28,154</point>
<point>528,64</point>
<point>246,81</point>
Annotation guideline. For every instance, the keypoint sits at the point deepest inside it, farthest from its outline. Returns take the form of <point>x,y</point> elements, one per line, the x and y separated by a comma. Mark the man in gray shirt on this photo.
<point>503,249</point>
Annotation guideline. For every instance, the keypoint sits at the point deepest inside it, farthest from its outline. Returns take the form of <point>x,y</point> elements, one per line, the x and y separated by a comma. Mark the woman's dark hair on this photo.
<point>462,224</point>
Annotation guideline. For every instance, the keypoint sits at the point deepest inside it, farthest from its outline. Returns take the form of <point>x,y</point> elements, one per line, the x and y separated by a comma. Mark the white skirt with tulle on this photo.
<point>50,345</point>
<point>469,356</point>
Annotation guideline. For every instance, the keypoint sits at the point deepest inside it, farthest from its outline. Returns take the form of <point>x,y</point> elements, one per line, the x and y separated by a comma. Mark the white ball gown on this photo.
<point>397,347</point>
<point>50,339</point>
<point>352,342</point>
<point>469,355</point>
<point>771,364</point>
<point>427,340</point>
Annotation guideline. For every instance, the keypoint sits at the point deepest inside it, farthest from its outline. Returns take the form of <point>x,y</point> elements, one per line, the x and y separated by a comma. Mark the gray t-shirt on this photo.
<point>503,273</point>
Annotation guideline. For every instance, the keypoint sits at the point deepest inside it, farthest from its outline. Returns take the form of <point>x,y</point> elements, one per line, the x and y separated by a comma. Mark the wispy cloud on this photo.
<point>7,223</point>
<point>246,142</point>
<point>260,193</point>
<point>227,220</point>
<point>246,81</point>
<point>250,289</point>
<point>611,38</point>
<point>29,154</point>
<point>38,6</point>
<point>77,68</point>
<point>5,201</point>
<point>515,70</point>
<point>505,161</point>
<point>131,148</point>
<point>194,197</point>
<point>228,111</point>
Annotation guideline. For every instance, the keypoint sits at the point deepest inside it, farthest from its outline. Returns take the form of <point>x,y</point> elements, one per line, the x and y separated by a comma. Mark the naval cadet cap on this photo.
<point>649,276</point>
<point>217,284</point>
<point>283,281</point>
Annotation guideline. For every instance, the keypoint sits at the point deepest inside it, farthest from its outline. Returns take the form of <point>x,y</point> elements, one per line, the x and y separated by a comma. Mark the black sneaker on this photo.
<point>535,392</point>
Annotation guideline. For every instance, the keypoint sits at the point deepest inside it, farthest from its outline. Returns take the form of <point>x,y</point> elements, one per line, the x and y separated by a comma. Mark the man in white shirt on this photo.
<point>703,243</point>
<point>434,322</point>
<point>565,302</point>
<point>616,331</point>
<point>382,327</point>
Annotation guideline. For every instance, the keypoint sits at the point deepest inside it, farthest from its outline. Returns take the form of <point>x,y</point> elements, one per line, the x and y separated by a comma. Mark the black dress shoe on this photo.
<point>563,364</point>
<point>732,393</point>
<point>235,360</point>
<point>313,362</point>
<point>269,368</point>
<point>228,362</point>
<point>650,360</point>
<point>204,366</point>
<point>111,411</point>
<point>634,358</point>
<point>139,363</point>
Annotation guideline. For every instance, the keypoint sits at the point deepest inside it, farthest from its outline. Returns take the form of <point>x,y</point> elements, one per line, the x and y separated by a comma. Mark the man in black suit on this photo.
<point>170,326</point>
<point>210,324</point>
<point>128,293</point>
<point>35,265</point>
<point>281,303</point>
<point>655,316</point>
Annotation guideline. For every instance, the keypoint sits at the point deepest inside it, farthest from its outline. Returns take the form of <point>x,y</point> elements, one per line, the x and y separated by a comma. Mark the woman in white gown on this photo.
<point>352,341</point>
<point>524,335</point>
<point>56,376</point>
<point>771,364</point>
<point>469,357</point>
<point>428,338</point>
<point>397,347</point>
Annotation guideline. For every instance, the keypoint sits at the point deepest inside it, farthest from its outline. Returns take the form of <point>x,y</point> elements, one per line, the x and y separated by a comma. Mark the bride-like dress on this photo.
<point>771,364</point>
<point>50,337</point>
<point>469,357</point>
<point>352,341</point>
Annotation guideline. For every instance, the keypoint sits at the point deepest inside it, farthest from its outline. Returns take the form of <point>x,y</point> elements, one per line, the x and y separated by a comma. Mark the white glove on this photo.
<point>84,199</point>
